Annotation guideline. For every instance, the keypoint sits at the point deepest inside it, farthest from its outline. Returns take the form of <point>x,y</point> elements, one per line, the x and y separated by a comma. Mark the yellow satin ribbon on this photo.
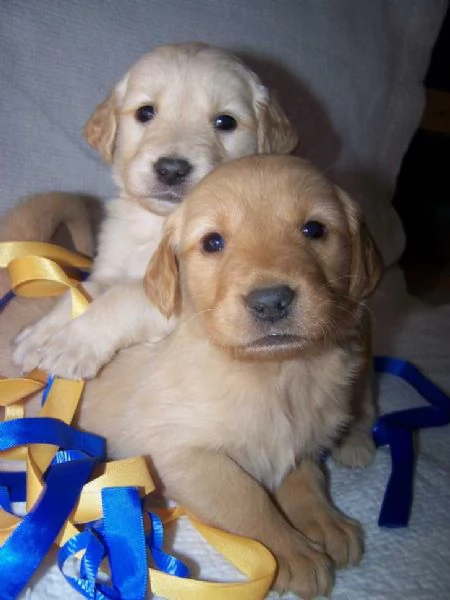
<point>248,556</point>
<point>12,394</point>
<point>35,271</point>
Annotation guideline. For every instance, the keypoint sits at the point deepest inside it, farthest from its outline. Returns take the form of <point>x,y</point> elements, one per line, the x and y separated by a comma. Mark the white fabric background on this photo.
<point>350,74</point>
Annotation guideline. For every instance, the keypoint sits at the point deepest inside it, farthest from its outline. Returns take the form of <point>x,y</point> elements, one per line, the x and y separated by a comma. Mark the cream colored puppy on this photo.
<point>267,265</point>
<point>179,112</point>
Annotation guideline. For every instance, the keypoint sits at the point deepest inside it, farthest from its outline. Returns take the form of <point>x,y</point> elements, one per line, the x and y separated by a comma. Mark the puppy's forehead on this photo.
<point>270,189</point>
<point>194,69</point>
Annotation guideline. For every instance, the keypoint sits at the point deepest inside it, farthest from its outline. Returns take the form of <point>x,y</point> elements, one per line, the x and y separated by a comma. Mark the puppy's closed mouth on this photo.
<point>276,341</point>
<point>170,195</point>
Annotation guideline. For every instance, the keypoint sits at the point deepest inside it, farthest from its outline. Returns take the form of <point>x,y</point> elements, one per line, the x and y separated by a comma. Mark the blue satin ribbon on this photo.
<point>95,549</point>
<point>66,455</point>
<point>396,430</point>
<point>15,482</point>
<point>125,539</point>
<point>27,546</point>
<point>46,390</point>
<point>121,538</point>
<point>94,552</point>
<point>12,489</point>
<point>4,300</point>
<point>5,501</point>
<point>163,561</point>
<point>45,430</point>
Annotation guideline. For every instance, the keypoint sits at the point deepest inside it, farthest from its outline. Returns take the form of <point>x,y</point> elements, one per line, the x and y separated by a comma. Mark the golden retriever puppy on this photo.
<point>179,112</point>
<point>267,265</point>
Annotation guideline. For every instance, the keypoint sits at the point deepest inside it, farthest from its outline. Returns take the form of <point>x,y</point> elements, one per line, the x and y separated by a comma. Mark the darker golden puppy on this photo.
<point>267,265</point>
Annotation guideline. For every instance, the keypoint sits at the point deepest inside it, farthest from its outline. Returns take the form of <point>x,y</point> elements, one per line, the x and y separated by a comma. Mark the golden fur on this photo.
<point>233,411</point>
<point>189,85</point>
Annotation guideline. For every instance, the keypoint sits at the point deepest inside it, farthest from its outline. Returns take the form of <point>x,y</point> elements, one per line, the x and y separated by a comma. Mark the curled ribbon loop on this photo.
<point>396,431</point>
<point>94,552</point>
<point>10,251</point>
<point>163,561</point>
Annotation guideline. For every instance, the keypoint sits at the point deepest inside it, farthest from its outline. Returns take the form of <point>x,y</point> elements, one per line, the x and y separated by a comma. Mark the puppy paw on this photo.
<point>357,449</point>
<point>341,538</point>
<point>304,570</point>
<point>75,352</point>
<point>28,345</point>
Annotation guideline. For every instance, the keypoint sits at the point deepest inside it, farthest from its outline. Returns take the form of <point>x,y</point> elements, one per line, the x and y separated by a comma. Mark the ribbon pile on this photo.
<point>92,510</point>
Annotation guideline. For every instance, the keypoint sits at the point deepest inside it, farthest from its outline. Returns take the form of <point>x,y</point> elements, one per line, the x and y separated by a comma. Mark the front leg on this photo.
<point>219,492</point>
<point>303,498</point>
<point>116,319</point>
<point>29,344</point>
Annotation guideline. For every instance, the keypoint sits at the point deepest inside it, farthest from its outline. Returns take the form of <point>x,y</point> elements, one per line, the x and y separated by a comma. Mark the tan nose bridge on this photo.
<point>182,136</point>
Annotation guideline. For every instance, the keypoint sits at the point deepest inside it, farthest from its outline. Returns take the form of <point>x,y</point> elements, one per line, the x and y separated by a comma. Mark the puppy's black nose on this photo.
<point>171,170</point>
<point>270,303</point>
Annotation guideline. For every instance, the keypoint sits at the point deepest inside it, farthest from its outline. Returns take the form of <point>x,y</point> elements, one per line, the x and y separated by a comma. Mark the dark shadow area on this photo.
<point>422,197</point>
<point>319,141</point>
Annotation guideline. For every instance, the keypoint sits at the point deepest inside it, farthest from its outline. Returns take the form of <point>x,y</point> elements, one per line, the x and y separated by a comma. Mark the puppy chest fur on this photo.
<point>283,412</point>
<point>129,236</point>
<point>241,398</point>
<point>264,415</point>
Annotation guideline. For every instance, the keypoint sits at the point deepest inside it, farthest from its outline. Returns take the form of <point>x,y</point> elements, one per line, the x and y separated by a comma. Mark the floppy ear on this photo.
<point>100,130</point>
<point>161,280</point>
<point>366,263</point>
<point>276,135</point>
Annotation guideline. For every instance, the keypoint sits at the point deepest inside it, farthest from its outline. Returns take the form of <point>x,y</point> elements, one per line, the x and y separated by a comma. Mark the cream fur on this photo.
<point>189,84</point>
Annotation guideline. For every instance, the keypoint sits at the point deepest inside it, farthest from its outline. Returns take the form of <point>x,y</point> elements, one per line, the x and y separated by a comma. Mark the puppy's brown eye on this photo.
<point>225,123</point>
<point>145,113</point>
<point>313,230</point>
<point>213,242</point>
